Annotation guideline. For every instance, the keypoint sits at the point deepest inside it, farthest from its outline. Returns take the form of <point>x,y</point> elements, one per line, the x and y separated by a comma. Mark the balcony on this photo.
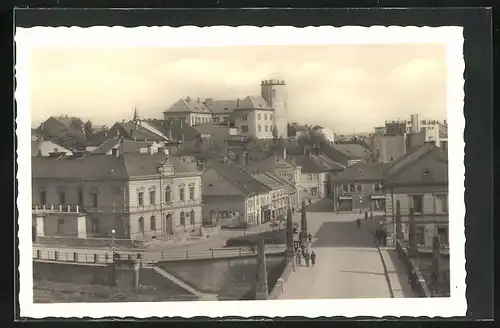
<point>165,206</point>
<point>49,209</point>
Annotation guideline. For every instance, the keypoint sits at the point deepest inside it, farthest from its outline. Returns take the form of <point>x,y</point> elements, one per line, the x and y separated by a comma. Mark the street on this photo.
<point>348,264</point>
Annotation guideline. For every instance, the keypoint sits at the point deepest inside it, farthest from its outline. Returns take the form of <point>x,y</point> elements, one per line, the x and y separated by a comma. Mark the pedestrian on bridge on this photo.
<point>298,258</point>
<point>309,237</point>
<point>377,236</point>
<point>313,258</point>
<point>307,257</point>
<point>366,216</point>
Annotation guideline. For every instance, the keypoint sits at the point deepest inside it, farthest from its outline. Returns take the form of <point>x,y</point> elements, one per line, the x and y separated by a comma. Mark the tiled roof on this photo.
<point>253,102</point>
<point>354,151</point>
<point>221,106</point>
<point>364,171</point>
<point>175,129</point>
<point>334,154</point>
<point>328,162</point>
<point>215,130</point>
<point>267,181</point>
<point>131,130</point>
<point>309,165</point>
<point>100,167</point>
<point>107,166</point>
<point>129,146</point>
<point>426,164</point>
<point>238,178</point>
<point>288,186</point>
<point>96,139</point>
<point>188,105</point>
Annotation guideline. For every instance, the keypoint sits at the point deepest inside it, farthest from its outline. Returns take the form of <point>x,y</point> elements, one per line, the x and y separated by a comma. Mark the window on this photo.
<point>168,194</point>
<point>258,116</point>
<point>152,197</point>
<point>309,177</point>
<point>377,187</point>
<point>56,150</point>
<point>265,128</point>
<point>244,128</point>
<point>359,188</point>
<point>244,117</point>
<point>420,236</point>
<point>441,203</point>
<point>60,226</point>
<point>95,226</point>
<point>181,193</point>
<point>140,198</point>
<point>62,197</point>
<point>80,197</point>
<point>192,218</point>
<point>141,225</point>
<point>183,219</point>
<point>43,197</point>
<point>345,188</point>
<point>265,117</point>
<point>417,203</point>
<point>191,192</point>
<point>259,128</point>
<point>153,223</point>
<point>443,235</point>
<point>352,188</point>
<point>270,117</point>
<point>94,200</point>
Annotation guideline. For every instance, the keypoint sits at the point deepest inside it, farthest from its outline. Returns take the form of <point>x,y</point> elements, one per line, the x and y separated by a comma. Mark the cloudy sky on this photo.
<point>342,87</point>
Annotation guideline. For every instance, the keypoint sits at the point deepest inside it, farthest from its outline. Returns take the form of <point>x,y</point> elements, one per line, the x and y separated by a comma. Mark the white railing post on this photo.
<point>36,208</point>
<point>69,208</point>
<point>77,209</point>
<point>60,208</point>
<point>43,207</point>
<point>52,208</point>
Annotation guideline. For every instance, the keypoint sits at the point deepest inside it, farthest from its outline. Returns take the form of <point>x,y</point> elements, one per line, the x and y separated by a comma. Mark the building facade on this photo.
<point>91,197</point>
<point>419,181</point>
<point>275,93</point>
<point>254,118</point>
<point>190,111</point>
<point>359,188</point>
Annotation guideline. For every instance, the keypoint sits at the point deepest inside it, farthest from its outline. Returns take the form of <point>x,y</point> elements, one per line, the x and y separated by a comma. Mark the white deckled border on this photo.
<point>223,36</point>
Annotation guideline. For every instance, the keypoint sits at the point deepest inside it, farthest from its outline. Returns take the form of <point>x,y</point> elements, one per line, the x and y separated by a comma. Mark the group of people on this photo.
<point>303,252</point>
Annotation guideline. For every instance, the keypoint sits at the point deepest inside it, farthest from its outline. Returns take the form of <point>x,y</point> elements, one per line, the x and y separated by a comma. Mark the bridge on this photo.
<point>148,257</point>
<point>348,263</point>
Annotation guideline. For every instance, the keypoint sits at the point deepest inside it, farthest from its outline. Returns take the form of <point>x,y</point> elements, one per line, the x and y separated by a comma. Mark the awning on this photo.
<point>377,196</point>
<point>345,197</point>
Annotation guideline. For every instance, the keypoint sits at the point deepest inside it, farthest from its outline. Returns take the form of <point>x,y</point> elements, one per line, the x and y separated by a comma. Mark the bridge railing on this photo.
<point>103,256</point>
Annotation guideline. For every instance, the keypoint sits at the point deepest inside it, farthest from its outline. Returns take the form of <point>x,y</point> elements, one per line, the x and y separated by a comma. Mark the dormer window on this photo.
<point>426,172</point>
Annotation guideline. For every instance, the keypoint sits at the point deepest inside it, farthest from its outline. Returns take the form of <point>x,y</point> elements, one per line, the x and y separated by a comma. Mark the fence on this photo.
<point>278,289</point>
<point>416,279</point>
<point>103,257</point>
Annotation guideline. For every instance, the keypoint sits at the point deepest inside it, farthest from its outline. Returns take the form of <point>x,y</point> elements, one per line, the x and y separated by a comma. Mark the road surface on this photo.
<point>348,262</point>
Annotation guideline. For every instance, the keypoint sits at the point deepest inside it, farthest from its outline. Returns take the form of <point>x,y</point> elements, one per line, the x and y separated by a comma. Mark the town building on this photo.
<point>63,130</point>
<point>315,177</point>
<point>356,152</point>
<point>233,198</point>
<point>47,147</point>
<point>221,109</point>
<point>359,188</point>
<point>254,118</point>
<point>140,196</point>
<point>291,191</point>
<point>137,130</point>
<point>279,195</point>
<point>113,146</point>
<point>190,111</point>
<point>419,181</point>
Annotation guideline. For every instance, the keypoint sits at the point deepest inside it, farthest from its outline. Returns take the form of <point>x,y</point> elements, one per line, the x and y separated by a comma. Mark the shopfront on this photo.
<point>377,202</point>
<point>345,204</point>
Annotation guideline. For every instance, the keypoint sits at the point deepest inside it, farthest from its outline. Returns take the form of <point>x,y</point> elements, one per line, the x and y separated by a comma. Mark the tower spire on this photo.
<point>136,116</point>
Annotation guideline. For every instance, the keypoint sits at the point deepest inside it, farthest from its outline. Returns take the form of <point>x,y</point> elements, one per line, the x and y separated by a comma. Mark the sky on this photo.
<point>346,88</point>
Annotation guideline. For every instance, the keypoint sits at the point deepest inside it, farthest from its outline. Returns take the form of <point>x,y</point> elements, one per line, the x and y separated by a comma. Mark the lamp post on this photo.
<point>113,244</point>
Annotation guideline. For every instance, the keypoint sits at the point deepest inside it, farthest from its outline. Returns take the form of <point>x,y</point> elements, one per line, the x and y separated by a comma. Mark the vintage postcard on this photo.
<point>283,171</point>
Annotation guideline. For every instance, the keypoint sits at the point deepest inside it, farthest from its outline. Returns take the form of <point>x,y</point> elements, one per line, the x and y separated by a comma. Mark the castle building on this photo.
<point>260,117</point>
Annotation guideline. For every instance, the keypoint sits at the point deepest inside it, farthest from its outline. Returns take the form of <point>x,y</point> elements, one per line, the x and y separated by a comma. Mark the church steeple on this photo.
<point>136,115</point>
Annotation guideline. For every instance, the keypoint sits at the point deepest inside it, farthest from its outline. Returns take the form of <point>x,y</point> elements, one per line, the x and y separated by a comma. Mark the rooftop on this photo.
<point>364,171</point>
<point>189,105</point>
<point>353,150</point>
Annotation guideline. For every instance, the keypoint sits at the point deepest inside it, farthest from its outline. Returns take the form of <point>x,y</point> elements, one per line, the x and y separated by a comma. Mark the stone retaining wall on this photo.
<point>280,283</point>
<point>417,281</point>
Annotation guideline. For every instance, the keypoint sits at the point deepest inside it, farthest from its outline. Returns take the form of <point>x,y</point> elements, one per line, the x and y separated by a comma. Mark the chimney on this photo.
<point>238,102</point>
<point>182,124</point>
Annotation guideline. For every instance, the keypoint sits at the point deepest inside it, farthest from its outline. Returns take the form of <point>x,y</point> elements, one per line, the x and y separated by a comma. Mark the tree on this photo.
<point>87,127</point>
<point>275,134</point>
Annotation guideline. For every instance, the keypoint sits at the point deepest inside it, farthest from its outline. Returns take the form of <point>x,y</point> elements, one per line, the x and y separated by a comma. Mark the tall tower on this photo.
<point>274,92</point>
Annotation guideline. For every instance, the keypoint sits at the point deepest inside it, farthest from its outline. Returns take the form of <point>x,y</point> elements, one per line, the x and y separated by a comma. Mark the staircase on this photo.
<point>201,296</point>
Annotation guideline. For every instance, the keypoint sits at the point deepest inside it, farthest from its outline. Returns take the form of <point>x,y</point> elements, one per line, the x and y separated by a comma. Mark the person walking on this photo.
<point>309,237</point>
<point>298,258</point>
<point>377,236</point>
<point>384,237</point>
<point>358,223</point>
<point>366,216</point>
<point>307,257</point>
<point>313,258</point>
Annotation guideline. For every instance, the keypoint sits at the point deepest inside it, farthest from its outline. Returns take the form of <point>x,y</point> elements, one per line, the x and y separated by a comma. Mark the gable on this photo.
<point>429,169</point>
<point>216,185</point>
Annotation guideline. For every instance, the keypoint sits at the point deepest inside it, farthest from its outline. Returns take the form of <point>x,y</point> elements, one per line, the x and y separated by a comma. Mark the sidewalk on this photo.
<point>396,273</point>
